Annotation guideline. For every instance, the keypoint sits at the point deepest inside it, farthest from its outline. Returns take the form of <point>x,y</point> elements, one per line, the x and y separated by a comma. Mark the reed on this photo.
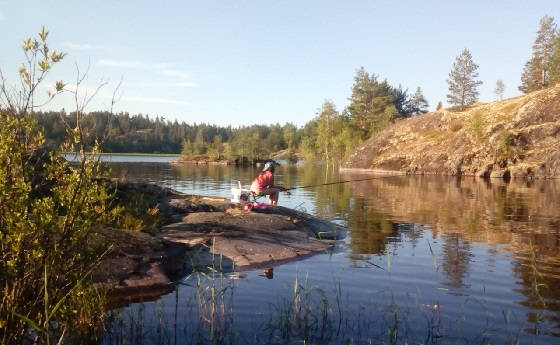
<point>308,314</point>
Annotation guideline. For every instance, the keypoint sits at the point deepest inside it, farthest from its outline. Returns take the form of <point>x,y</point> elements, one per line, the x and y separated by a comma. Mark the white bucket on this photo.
<point>240,195</point>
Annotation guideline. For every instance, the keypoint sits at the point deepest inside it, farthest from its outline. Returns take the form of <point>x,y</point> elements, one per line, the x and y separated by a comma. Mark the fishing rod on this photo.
<point>339,182</point>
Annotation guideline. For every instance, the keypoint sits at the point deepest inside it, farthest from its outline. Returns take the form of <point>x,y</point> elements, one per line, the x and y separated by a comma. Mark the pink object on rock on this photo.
<point>260,205</point>
<point>255,205</point>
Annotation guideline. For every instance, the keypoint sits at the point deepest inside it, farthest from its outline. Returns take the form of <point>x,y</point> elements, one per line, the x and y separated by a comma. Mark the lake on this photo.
<point>427,260</point>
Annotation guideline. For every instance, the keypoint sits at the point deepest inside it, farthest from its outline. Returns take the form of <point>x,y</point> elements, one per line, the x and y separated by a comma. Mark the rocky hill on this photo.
<point>517,137</point>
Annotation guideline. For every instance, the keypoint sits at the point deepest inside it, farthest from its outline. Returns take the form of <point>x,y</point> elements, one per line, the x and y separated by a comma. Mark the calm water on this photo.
<point>426,260</point>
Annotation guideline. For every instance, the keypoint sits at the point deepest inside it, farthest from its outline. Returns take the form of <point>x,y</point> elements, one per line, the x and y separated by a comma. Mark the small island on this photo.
<point>191,232</point>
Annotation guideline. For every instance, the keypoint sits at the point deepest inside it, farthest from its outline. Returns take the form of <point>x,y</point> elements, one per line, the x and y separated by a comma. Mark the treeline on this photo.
<point>330,136</point>
<point>140,133</point>
<point>374,104</point>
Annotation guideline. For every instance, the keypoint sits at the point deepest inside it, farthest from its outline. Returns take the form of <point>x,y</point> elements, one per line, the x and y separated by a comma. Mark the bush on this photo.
<point>477,125</point>
<point>48,209</point>
<point>456,125</point>
<point>505,143</point>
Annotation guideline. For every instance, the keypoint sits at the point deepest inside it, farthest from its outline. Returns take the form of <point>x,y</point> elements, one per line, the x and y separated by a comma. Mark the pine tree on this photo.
<point>418,103</point>
<point>555,62</point>
<point>500,89</point>
<point>372,104</point>
<point>536,72</point>
<point>462,80</point>
<point>439,106</point>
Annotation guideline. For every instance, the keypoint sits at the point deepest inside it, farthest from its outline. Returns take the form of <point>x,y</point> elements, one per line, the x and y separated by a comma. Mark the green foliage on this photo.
<point>505,143</point>
<point>477,125</point>
<point>136,211</point>
<point>418,103</point>
<point>372,104</point>
<point>462,81</point>
<point>326,130</point>
<point>48,210</point>
<point>199,145</point>
<point>543,65</point>
<point>187,149</point>
<point>555,62</point>
<point>408,105</point>
<point>332,136</point>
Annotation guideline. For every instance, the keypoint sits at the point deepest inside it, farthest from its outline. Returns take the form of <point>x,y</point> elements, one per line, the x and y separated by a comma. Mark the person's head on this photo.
<point>269,166</point>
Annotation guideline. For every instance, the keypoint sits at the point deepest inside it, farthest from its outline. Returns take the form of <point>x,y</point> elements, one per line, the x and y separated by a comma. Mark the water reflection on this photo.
<point>520,217</point>
<point>496,243</point>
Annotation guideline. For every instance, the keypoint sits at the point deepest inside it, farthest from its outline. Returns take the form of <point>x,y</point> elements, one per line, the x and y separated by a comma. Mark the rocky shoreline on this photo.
<point>513,138</point>
<point>142,266</point>
<point>205,160</point>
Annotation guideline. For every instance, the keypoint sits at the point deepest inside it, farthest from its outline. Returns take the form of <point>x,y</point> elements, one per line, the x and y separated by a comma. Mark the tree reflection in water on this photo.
<point>494,219</point>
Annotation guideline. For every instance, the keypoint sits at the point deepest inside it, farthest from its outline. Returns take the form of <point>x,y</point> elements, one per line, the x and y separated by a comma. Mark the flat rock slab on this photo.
<point>138,266</point>
<point>201,232</point>
<point>247,239</point>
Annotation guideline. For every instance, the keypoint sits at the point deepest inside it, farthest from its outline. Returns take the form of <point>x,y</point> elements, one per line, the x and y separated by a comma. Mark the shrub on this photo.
<point>477,125</point>
<point>505,142</point>
<point>456,125</point>
<point>48,209</point>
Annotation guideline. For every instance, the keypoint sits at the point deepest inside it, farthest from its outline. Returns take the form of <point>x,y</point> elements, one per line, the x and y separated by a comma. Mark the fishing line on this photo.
<point>339,182</point>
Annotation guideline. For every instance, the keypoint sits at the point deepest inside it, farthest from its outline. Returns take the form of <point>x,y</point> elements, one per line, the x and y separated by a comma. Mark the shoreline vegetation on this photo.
<point>206,160</point>
<point>138,154</point>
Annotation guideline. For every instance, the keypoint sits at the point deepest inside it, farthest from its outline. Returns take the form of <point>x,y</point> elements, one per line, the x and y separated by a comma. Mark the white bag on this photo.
<point>240,195</point>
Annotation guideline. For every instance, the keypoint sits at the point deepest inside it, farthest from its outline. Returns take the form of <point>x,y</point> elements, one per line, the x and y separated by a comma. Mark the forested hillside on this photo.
<point>517,137</point>
<point>138,133</point>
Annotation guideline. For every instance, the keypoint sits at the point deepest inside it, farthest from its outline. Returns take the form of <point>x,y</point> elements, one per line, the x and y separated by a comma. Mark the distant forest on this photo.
<point>143,134</point>
<point>331,136</point>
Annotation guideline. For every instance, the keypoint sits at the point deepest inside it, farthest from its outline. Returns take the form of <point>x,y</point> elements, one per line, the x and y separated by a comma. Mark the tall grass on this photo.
<point>308,314</point>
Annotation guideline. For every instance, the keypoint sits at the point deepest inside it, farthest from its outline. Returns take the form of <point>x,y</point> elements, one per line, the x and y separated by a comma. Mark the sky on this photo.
<point>263,62</point>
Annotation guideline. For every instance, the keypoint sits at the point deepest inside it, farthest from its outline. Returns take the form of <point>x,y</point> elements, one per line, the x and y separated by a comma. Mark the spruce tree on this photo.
<point>500,89</point>
<point>402,101</point>
<point>462,80</point>
<point>536,72</point>
<point>418,103</point>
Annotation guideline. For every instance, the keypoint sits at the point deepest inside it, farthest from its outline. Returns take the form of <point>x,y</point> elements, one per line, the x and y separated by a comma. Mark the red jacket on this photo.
<point>262,181</point>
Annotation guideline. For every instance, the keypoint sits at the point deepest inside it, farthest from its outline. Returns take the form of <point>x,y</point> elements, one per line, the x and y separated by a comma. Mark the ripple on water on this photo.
<point>479,280</point>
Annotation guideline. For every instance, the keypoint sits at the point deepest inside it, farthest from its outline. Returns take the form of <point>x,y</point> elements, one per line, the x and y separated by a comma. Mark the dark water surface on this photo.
<point>428,259</point>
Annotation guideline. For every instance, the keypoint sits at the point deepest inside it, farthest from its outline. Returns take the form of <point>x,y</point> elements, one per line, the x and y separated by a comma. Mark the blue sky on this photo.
<point>245,62</point>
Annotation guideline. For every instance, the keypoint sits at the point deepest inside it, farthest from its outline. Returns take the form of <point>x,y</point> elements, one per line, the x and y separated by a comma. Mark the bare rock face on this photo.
<point>252,239</point>
<point>200,232</point>
<point>517,138</point>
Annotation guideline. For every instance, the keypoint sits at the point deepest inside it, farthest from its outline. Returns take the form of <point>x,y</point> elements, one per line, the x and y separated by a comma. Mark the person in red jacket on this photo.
<point>263,184</point>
